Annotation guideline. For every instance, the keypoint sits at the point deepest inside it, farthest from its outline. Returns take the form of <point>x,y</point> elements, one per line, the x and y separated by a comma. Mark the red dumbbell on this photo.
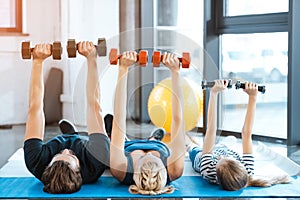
<point>114,56</point>
<point>185,59</point>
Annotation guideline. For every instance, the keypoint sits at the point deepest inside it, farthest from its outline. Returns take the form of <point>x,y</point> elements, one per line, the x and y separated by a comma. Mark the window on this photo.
<point>256,57</point>
<point>179,27</point>
<point>251,44</point>
<point>246,7</point>
<point>10,16</point>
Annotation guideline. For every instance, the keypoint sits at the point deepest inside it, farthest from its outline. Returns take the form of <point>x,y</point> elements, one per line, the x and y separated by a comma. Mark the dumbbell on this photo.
<point>72,47</point>
<point>206,84</point>
<point>185,59</point>
<point>239,85</point>
<point>56,50</point>
<point>114,56</point>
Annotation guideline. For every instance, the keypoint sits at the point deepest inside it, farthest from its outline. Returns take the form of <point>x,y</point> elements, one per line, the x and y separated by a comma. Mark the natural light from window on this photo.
<point>7,14</point>
<point>251,7</point>
<point>261,58</point>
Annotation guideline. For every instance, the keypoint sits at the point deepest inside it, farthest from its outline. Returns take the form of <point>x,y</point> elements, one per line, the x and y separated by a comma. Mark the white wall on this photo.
<point>47,21</point>
<point>89,20</point>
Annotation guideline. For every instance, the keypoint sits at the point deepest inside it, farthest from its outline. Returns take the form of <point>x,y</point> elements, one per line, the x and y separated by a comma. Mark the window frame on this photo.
<point>265,23</point>
<point>18,16</point>
<point>216,23</point>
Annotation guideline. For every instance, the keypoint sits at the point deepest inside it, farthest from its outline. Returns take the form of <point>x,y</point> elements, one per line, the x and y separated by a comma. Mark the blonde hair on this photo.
<point>150,179</point>
<point>268,181</point>
<point>232,175</point>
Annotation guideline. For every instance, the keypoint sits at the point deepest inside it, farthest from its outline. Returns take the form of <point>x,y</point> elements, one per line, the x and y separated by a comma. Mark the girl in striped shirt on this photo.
<point>221,165</point>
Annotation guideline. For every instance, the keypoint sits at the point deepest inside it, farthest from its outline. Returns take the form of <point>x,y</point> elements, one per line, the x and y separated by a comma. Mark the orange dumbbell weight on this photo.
<point>114,56</point>
<point>185,59</point>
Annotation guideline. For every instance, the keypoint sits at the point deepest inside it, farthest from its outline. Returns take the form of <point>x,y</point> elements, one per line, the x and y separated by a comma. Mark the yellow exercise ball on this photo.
<point>160,104</point>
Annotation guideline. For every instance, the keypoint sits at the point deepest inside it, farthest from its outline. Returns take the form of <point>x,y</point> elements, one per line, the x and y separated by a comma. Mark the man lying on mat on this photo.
<point>147,165</point>
<point>224,166</point>
<point>69,160</point>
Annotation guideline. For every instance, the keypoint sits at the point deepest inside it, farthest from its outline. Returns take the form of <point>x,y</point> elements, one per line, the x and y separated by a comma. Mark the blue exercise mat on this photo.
<point>109,187</point>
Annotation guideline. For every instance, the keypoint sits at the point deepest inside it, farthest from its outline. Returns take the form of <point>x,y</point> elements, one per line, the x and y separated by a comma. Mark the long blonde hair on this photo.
<point>232,175</point>
<point>150,179</point>
<point>268,181</point>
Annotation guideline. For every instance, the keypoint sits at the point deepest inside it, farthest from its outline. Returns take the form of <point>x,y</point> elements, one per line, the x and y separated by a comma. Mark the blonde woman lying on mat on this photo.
<point>147,165</point>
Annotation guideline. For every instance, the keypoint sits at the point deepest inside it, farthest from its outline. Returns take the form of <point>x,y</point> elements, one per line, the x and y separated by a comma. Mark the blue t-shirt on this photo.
<point>92,152</point>
<point>145,145</point>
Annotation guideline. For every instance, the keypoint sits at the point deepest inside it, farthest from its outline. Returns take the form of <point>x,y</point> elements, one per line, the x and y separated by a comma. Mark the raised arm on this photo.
<point>118,161</point>
<point>177,144</point>
<point>210,135</point>
<point>94,117</point>
<point>251,89</point>
<point>35,125</point>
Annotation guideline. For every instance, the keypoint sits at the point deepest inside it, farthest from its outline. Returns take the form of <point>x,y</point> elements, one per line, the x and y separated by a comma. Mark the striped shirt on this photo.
<point>205,164</point>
